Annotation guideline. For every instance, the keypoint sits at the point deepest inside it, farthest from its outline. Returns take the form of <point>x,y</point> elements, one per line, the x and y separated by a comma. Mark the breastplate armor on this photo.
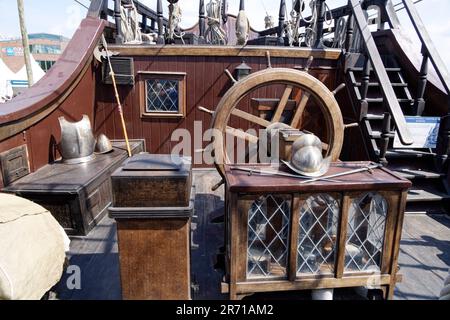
<point>77,141</point>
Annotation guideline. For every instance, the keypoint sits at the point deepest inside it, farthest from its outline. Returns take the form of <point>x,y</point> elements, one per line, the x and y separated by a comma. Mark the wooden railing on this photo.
<point>151,20</point>
<point>430,53</point>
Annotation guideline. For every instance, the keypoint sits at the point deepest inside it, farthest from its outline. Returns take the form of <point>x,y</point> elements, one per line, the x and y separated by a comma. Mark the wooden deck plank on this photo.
<point>424,257</point>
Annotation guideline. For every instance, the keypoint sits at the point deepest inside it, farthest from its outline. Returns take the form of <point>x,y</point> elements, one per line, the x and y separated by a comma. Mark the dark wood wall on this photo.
<point>206,83</point>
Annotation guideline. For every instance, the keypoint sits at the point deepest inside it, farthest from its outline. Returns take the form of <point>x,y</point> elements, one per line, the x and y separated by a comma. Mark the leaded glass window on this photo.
<point>365,234</point>
<point>268,237</point>
<point>163,96</point>
<point>318,229</point>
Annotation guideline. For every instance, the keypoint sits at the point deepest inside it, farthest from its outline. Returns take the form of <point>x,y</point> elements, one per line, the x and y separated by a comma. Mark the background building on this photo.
<point>45,48</point>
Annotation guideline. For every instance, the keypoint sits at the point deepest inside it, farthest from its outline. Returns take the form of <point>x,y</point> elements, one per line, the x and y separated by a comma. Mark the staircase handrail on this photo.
<point>427,44</point>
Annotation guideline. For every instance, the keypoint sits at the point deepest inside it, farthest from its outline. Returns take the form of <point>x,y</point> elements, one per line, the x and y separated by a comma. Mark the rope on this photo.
<point>215,31</point>
<point>174,21</point>
<point>293,27</point>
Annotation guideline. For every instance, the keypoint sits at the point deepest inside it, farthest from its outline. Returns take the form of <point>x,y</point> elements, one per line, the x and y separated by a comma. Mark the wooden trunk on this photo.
<point>78,196</point>
<point>152,181</point>
<point>284,235</point>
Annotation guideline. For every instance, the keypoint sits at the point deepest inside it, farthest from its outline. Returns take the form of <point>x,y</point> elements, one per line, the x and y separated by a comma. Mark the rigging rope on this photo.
<point>215,33</point>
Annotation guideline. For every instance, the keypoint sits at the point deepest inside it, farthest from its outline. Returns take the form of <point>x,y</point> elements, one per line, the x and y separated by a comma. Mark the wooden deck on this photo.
<point>424,257</point>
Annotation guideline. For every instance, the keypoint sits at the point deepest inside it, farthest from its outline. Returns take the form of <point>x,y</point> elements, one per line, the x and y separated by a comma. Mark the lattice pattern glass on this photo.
<point>162,96</point>
<point>365,234</point>
<point>268,234</point>
<point>318,226</point>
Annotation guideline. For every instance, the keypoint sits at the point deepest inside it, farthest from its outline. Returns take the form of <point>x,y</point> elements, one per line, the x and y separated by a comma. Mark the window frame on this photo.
<point>154,75</point>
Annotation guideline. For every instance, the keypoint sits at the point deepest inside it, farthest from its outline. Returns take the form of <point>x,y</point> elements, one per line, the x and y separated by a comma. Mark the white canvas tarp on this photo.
<point>32,249</point>
<point>6,75</point>
<point>38,73</point>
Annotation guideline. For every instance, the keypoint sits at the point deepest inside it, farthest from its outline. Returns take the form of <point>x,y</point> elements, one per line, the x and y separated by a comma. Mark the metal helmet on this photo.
<point>103,145</point>
<point>77,141</point>
<point>307,140</point>
<point>307,158</point>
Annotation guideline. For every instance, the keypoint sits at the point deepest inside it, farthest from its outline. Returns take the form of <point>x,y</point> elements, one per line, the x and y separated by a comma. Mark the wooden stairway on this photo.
<point>430,192</point>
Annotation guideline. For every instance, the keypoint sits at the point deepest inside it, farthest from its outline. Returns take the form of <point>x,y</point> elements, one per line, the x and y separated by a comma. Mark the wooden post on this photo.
<point>25,43</point>
<point>104,12</point>
<point>365,88</point>
<point>350,33</point>
<point>386,136</point>
<point>320,20</point>
<point>242,5</point>
<point>201,19</point>
<point>159,12</point>
<point>118,19</point>
<point>419,104</point>
<point>281,20</point>
<point>144,23</point>
<point>443,144</point>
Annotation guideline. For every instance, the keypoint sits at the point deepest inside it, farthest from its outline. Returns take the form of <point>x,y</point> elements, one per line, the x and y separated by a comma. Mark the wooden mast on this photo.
<point>25,43</point>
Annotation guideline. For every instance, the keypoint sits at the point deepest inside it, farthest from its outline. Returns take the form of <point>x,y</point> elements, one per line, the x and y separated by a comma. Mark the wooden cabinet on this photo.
<point>78,196</point>
<point>284,235</point>
<point>153,226</point>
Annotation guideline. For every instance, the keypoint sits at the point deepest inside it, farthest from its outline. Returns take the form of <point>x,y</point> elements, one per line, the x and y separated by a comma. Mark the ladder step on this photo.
<point>426,195</point>
<point>376,135</point>
<point>407,153</point>
<point>377,84</point>
<point>359,69</point>
<point>380,100</point>
<point>371,116</point>
<point>412,174</point>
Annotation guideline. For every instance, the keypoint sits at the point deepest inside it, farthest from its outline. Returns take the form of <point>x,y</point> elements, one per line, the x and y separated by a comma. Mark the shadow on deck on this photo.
<point>424,257</point>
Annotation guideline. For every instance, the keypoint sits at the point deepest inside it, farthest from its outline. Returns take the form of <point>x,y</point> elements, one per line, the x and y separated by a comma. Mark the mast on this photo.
<point>25,42</point>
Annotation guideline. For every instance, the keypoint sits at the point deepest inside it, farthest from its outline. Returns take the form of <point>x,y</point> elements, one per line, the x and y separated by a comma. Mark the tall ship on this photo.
<point>308,160</point>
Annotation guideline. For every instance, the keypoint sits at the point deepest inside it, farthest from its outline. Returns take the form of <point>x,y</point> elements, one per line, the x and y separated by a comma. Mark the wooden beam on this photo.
<point>296,120</point>
<point>282,105</point>
<point>250,117</point>
<point>242,135</point>
<point>225,51</point>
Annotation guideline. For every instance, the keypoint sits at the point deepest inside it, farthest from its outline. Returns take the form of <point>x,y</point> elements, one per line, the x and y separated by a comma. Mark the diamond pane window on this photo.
<point>162,96</point>
<point>365,234</point>
<point>318,228</point>
<point>268,236</point>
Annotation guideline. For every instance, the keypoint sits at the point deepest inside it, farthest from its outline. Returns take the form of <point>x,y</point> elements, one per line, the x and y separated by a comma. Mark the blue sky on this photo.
<point>63,16</point>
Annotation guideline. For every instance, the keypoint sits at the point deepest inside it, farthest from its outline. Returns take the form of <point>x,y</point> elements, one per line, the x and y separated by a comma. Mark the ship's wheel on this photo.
<point>300,89</point>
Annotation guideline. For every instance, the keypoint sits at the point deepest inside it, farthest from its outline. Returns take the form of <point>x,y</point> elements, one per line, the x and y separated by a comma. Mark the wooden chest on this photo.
<point>152,181</point>
<point>287,235</point>
<point>78,196</point>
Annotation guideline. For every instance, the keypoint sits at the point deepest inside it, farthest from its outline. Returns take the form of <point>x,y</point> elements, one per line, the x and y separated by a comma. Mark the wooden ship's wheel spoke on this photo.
<point>282,105</point>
